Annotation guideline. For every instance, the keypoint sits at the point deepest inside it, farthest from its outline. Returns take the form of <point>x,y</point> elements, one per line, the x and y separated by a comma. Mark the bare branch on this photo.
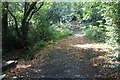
<point>40,6</point>
<point>29,10</point>
<point>35,11</point>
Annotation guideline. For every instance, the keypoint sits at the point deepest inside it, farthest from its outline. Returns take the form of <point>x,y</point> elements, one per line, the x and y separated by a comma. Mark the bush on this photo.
<point>94,32</point>
<point>41,36</point>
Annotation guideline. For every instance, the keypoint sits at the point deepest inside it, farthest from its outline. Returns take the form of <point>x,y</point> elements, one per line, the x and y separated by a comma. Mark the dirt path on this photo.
<point>71,57</point>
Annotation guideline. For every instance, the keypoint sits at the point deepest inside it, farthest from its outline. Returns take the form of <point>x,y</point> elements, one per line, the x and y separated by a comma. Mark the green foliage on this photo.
<point>95,33</point>
<point>41,36</point>
<point>61,30</point>
<point>42,33</point>
<point>94,22</point>
<point>99,21</point>
<point>63,12</point>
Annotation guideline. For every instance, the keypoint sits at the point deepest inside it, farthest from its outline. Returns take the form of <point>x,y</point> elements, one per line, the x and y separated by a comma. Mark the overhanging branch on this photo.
<point>35,11</point>
<point>29,10</point>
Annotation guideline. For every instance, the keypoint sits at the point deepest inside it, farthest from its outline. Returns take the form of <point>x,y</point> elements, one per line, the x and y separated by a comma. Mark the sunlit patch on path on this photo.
<point>102,47</point>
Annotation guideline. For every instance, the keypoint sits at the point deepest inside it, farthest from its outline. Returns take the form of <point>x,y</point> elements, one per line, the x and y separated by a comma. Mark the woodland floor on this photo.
<point>71,57</point>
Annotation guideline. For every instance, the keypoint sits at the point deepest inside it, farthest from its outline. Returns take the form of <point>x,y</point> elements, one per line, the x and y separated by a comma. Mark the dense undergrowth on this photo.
<point>101,23</point>
<point>51,34</point>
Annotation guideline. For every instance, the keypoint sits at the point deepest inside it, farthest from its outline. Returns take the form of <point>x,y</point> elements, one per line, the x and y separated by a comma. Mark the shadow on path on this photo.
<point>60,63</point>
<point>67,58</point>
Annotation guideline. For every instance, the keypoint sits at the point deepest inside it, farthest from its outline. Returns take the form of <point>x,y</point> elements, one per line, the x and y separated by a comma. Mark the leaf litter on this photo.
<point>71,57</point>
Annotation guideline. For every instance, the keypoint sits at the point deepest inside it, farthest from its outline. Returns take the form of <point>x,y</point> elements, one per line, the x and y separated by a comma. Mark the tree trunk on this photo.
<point>5,27</point>
<point>4,21</point>
<point>25,23</point>
<point>28,13</point>
<point>25,26</point>
<point>118,27</point>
